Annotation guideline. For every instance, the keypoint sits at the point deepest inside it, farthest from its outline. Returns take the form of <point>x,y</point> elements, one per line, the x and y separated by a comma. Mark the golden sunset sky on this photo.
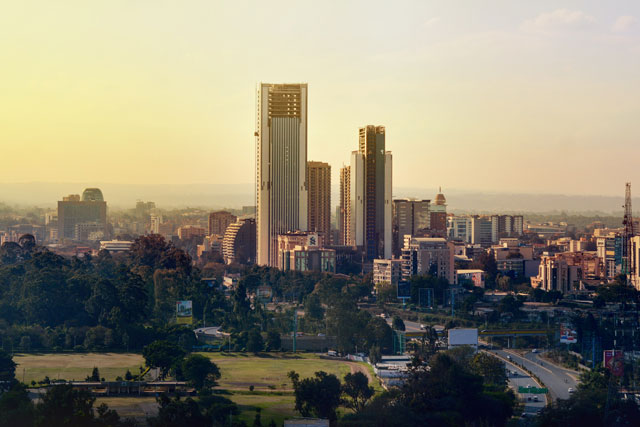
<point>492,96</point>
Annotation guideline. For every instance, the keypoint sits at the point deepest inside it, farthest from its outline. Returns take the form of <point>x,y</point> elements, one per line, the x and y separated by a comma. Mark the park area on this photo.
<point>267,372</point>
<point>75,366</point>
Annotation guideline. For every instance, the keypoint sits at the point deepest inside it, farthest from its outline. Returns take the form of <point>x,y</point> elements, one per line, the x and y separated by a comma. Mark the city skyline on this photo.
<point>509,89</point>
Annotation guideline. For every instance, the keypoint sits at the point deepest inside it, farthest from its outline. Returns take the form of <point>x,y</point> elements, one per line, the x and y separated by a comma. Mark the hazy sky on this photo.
<point>526,96</point>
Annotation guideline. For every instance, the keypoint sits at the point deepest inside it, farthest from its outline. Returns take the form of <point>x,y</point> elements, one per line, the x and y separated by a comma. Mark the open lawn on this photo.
<point>268,371</point>
<point>75,366</point>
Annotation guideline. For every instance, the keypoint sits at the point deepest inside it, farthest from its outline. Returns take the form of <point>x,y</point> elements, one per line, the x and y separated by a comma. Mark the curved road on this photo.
<point>558,380</point>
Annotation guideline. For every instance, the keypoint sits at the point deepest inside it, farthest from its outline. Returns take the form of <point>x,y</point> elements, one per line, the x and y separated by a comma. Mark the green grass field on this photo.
<point>267,372</point>
<point>75,366</point>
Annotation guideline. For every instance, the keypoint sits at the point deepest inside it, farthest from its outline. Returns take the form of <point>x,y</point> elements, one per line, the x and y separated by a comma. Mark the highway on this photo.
<point>558,380</point>
<point>522,379</point>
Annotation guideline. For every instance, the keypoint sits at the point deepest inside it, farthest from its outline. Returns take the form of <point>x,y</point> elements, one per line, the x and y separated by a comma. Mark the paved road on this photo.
<point>555,378</point>
<point>522,379</point>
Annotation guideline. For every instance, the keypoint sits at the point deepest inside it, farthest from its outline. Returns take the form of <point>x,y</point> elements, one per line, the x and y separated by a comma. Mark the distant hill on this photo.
<point>238,195</point>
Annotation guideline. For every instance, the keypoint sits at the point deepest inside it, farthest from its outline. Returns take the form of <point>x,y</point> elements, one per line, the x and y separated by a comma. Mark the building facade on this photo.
<point>219,221</point>
<point>428,255</point>
<point>564,271</point>
<point>387,271</point>
<point>371,194</point>
<point>281,165</point>
<point>344,218</point>
<point>438,215</point>
<point>410,217</point>
<point>319,211</point>
<point>90,212</point>
<point>188,231</point>
<point>239,242</point>
<point>459,228</point>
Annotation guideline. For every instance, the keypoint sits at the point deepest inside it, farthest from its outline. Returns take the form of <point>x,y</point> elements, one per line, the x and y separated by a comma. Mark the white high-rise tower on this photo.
<point>281,166</point>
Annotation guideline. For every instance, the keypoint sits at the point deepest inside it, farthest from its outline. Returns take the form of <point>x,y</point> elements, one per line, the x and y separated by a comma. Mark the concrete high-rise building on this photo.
<point>219,221</point>
<point>88,212</point>
<point>409,217</point>
<point>281,166</point>
<point>371,215</point>
<point>319,185</point>
<point>344,220</point>
<point>438,215</point>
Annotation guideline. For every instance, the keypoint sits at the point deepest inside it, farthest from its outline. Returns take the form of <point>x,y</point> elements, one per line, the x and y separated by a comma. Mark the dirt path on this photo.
<point>357,367</point>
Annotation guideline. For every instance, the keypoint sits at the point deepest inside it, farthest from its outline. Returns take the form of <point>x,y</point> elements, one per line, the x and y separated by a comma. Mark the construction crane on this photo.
<point>627,222</point>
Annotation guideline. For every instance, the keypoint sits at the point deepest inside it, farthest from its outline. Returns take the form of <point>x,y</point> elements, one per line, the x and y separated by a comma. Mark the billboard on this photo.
<point>312,239</point>
<point>568,335</point>
<point>184,312</point>
<point>614,362</point>
<point>404,289</point>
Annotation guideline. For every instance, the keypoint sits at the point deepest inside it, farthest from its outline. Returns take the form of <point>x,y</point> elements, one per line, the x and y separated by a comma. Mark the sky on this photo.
<point>491,96</point>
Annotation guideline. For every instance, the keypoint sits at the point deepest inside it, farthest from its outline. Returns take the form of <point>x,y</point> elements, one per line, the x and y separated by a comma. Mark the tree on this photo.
<point>7,370</point>
<point>274,343</point>
<point>398,323</point>
<point>590,405</point>
<point>95,375</point>
<point>65,406</point>
<point>312,308</point>
<point>357,390</point>
<point>178,413</point>
<point>254,341</point>
<point>16,408</point>
<point>318,396</point>
<point>449,394</point>
<point>200,371</point>
<point>490,368</point>
<point>163,355</point>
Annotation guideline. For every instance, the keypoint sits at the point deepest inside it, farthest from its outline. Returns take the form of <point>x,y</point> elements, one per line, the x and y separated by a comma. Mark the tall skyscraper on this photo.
<point>410,216</point>
<point>344,218</point>
<point>371,194</point>
<point>281,166</point>
<point>319,183</point>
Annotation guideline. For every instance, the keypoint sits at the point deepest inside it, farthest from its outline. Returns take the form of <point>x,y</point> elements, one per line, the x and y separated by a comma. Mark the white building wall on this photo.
<point>388,235</point>
<point>357,198</point>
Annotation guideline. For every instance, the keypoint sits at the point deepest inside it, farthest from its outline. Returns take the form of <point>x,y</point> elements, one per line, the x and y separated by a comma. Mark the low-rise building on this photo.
<point>564,271</point>
<point>428,255</point>
<point>115,245</point>
<point>387,271</point>
<point>474,276</point>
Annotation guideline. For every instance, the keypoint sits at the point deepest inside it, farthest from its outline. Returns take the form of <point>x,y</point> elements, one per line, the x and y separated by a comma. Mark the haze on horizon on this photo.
<point>527,97</point>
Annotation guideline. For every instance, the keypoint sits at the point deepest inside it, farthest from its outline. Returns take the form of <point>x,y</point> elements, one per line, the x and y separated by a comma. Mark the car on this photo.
<point>529,398</point>
<point>536,399</point>
<point>509,358</point>
<point>571,390</point>
<point>421,326</point>
<point>535,350</point>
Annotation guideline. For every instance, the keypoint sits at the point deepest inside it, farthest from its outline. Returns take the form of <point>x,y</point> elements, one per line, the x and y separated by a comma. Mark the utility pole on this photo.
<point>453,303</point>
<point>295,327</point>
